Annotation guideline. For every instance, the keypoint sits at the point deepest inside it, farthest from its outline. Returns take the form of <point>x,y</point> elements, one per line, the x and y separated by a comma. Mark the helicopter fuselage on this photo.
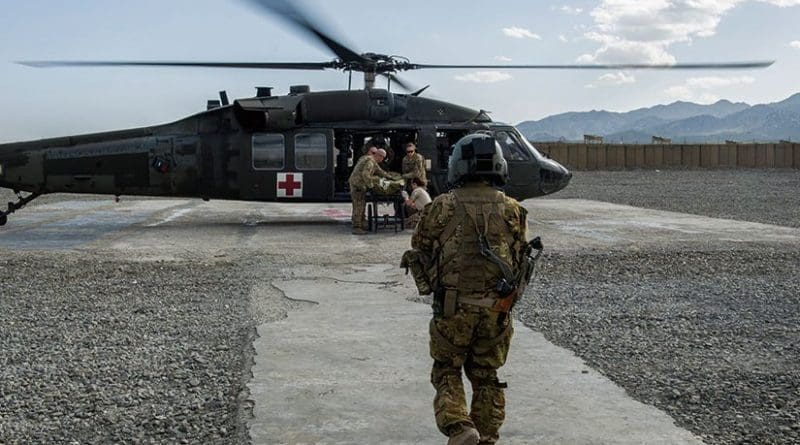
<point>297,147</point>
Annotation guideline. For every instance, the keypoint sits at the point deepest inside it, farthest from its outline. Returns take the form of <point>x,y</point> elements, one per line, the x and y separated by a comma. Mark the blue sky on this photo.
<point>61,101</point>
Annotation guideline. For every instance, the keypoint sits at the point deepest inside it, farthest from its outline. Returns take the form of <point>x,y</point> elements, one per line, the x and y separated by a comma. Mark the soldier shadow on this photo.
<point>333,227</point>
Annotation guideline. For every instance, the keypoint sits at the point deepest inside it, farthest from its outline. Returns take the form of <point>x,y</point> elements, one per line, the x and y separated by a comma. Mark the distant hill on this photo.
<point>680,121</point>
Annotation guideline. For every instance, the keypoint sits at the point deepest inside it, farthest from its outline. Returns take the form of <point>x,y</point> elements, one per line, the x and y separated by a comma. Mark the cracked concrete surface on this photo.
<point>353,367</point>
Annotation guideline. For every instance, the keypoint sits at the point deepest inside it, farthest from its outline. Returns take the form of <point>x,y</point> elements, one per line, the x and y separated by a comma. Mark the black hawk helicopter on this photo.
<point>295,147</point>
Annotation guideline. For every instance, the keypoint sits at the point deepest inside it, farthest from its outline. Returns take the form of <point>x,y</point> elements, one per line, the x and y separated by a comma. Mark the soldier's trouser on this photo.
<point>412,221</point>
<point>476,339</point>
<point>359,198</point>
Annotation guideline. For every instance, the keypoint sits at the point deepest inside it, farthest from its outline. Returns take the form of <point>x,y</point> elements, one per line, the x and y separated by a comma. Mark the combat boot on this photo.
<point>467,436</point>
<point>359,231</point>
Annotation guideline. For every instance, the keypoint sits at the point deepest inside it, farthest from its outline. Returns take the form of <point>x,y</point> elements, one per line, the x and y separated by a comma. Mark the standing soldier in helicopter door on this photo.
<point>365,175</point>
<point>413,166</point>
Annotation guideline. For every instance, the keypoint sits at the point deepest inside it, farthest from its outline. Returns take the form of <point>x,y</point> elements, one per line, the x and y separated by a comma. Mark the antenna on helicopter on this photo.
<point>419,91</point>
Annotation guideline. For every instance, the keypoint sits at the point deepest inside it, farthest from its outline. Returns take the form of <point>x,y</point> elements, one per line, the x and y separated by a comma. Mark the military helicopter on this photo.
<point>295,147</point>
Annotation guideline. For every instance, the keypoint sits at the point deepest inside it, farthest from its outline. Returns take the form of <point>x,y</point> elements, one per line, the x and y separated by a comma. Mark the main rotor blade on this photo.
<point>250,65</point>
<point>610,66</point>
<point>291,13</point>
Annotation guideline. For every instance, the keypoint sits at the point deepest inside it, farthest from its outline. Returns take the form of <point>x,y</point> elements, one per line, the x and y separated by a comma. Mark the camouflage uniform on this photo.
<point>365,176</point>
<point>475,337</point>
<point>414,167</point>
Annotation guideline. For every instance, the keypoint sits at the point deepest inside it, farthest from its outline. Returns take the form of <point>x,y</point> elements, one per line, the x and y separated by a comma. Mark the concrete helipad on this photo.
<point>353,368</point>
<point>348,363</point>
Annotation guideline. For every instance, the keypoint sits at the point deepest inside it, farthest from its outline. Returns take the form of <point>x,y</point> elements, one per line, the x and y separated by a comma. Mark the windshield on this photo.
<point>527,143</point>
<point>515,146</point>
<point>513,150</point>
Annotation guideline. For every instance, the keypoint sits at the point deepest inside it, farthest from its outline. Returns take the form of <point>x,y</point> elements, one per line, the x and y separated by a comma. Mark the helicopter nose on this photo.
<point>565,180</point>
<point>553,177</point>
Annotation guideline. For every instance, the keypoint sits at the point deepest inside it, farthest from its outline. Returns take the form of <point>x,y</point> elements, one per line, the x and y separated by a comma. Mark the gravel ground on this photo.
<point>103,350</point>
<point>98,350</point>
<point>766,196</point>
<point>710,336</point>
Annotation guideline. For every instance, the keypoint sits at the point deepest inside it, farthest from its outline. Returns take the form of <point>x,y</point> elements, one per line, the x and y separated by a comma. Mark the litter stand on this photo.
<point>377,221</point>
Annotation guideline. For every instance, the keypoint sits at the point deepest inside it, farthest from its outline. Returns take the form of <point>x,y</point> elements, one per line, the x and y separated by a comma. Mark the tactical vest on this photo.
<point>478,210</point>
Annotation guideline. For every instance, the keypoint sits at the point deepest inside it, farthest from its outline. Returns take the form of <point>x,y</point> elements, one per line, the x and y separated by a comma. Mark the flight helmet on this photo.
<point>477,157</point>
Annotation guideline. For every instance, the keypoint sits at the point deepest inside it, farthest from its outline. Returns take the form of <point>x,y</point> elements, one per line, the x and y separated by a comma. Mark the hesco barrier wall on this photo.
<point>629,156</point>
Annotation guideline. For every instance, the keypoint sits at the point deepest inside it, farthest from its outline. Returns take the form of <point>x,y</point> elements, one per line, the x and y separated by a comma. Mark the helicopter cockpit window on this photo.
<point>536,153</point>
<point>310,151</point>
<point>269,151</point>
<point>513,150</point>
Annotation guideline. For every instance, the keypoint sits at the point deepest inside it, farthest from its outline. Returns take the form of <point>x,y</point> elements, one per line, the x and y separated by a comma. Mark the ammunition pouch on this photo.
<point>438,303</point>
<point>445,302</point>
<point>418,264</point>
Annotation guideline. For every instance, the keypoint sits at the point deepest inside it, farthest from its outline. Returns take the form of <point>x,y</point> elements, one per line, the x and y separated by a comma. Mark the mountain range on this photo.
<point>680,121</point>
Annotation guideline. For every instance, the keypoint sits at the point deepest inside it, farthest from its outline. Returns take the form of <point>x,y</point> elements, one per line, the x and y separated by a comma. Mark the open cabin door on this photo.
<point>290,166</point>
<point>443,139</point>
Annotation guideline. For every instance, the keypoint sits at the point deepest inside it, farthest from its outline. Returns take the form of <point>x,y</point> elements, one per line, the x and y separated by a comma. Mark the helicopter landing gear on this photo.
<point>14,206</point>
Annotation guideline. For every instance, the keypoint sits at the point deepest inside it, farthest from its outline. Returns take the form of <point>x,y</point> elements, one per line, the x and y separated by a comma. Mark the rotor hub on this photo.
<point>374,63</point>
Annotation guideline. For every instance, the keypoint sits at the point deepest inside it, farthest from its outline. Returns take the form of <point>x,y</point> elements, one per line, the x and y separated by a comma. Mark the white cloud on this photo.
<point>521,33</point>
<point>562,38</point>
<point>782,3</point>
<point>711,82</point>
<point>696,88</point>
<point>642,31</point>
<point>617,78</point>
<point>681,92</point>
<point>627,51</point>
<point>639,31</point>
<point>503,58</point>
<point>484,77</point>
<point>571,10</point>
<point>612,79</point>
<point>795,44</point>
<point>708,98</point>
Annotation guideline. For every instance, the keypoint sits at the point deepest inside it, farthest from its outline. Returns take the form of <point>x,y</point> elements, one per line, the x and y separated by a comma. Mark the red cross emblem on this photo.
<point>290,185</point>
